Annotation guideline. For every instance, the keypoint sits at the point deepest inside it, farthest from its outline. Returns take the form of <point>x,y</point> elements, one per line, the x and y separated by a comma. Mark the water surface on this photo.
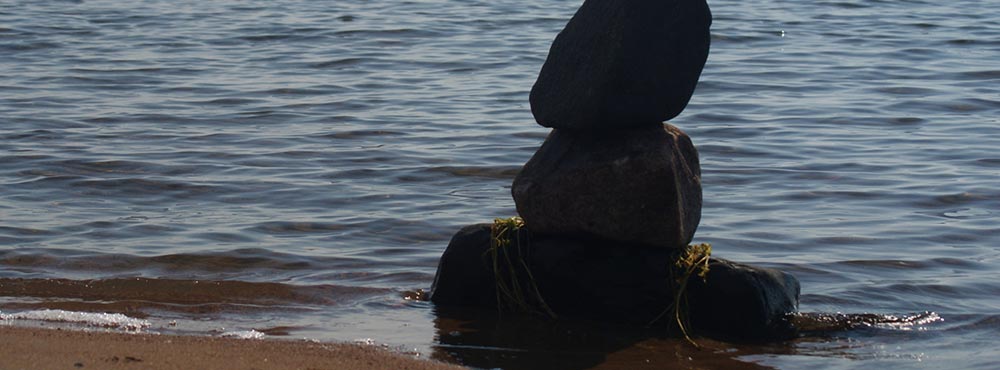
<point>297,168</point>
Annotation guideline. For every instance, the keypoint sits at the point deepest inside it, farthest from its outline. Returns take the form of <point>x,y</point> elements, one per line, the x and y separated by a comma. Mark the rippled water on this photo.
<point>297,168</point>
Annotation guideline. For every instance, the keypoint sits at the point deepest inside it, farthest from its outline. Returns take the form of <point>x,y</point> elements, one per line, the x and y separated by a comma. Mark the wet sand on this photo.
<point>40,348</point>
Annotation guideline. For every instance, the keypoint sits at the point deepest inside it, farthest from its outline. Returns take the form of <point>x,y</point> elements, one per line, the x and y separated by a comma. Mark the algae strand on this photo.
<point>505,234</point>
<point>691,261</point>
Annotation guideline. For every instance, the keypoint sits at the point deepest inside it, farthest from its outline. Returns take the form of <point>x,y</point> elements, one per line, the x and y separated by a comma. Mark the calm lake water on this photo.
<point>297,168</point>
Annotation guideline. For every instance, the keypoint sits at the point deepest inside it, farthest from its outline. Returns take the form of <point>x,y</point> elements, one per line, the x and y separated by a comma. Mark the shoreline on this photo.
<point>60,348</point>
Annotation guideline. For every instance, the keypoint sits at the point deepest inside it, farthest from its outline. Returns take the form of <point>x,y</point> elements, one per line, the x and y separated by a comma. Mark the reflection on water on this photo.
<point>480,338</point>
<point>483,339</point>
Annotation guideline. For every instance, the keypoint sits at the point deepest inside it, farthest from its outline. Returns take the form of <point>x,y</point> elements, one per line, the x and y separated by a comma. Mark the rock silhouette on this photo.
<point>623,63</point>
<point>613,196</point>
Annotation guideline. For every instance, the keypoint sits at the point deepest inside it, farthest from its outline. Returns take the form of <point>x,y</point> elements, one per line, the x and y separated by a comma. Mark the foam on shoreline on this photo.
<point>104,320</point>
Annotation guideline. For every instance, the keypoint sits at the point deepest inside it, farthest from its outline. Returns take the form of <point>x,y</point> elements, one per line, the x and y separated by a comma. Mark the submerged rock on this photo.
<point>738,302</point>
<point>636,186</point>
<point>623,63</point>
<point>626,283</point>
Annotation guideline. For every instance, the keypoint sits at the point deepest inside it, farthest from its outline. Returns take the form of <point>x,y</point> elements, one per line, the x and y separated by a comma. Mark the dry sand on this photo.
<point>40,348</point>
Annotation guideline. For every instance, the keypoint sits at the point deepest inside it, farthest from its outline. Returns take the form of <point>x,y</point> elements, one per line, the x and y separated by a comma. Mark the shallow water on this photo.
<point>298,167</point>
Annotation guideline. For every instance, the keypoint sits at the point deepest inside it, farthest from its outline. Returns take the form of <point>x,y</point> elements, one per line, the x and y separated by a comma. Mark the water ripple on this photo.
<point>852,143</point>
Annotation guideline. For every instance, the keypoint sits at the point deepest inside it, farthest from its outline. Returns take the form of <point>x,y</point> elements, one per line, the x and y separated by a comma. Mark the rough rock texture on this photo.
<point>626,284</point>
<point>636,186</point>
<point>623,63</point>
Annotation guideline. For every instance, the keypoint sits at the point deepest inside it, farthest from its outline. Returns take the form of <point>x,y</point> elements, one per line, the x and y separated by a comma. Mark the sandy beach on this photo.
<point>41,348</point>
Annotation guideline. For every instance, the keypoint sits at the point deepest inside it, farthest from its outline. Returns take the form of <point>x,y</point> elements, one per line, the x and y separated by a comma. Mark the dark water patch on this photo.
<point>504,172</point>
<point>16,89</point>
<point>151,190</point>
<point>60,171</point>
<point>845,4</point>
<point>988,162</point>
<point>236,260</point>
<point>16,161</point>
<point>251,262</point>
<point>970,105</point>
<point>145,118</point>
<point>123,231</point>
<point>955,199</point>
<point>195,90</point>
<point>43,179</point>
<point>106,82</point>
<point>905,90</point>
<point>228,238</point>
<point>846,240</point>
<point>820,195</point>
<point>227,102</point>
<point>268,37</point>
<point>906,121</point>
<point>140,71</point>
<point>313,91</point>
<point>286,228</point>
<point>944,262</point>
<point>357,33</point>
<point>99,168</point>
<point>276,116</point>
<point>968,42</point>
<point>34,135</point>
<point>140,296</point>
<point>22,47</point>
<point>21,231</point>
<point>982,75</point>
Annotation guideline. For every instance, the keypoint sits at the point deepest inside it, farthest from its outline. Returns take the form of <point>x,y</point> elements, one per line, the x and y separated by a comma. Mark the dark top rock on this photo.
<point>641,185</point>
<point>621,283</point>
<point>621,63</point>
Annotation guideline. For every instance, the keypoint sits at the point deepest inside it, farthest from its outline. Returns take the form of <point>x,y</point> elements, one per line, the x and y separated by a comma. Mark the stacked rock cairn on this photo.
<point>611,200</point>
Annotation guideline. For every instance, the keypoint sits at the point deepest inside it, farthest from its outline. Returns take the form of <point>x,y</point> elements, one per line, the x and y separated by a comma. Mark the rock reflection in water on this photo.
<point>482,339</point>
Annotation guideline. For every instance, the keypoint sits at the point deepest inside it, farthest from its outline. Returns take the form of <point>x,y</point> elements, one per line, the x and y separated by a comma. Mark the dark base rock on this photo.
<point>626,284</point>
<point>623,63</point>
<point>637,186</point>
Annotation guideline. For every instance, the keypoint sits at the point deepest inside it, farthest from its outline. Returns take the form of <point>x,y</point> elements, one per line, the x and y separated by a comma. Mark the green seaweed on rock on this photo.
<point>691,261</point>
<point>517,291</point>
<point>510,289</point>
